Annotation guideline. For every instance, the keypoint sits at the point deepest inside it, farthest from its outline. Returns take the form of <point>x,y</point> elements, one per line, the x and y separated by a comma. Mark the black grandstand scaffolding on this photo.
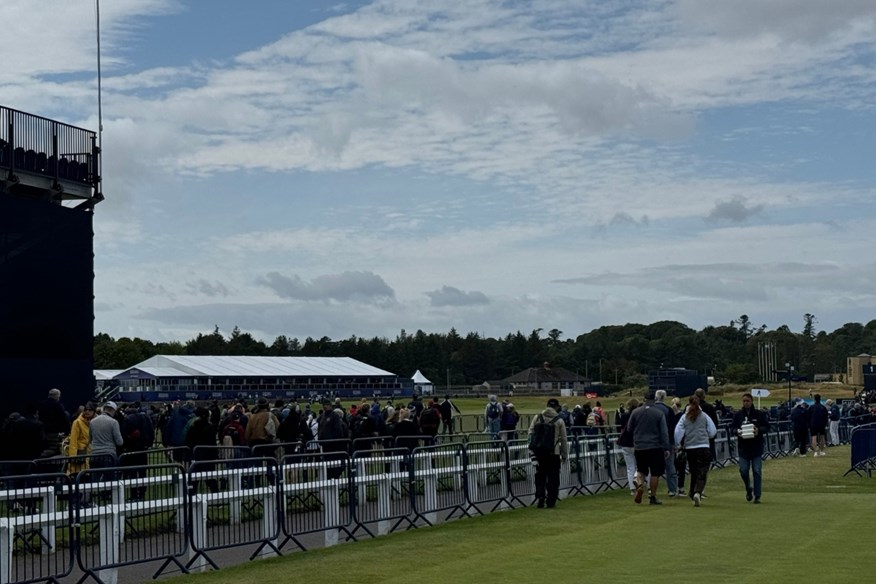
<point>49,184</point>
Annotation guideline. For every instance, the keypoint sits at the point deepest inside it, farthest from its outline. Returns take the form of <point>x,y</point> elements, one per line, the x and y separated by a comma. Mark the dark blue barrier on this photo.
<point>863,450</point>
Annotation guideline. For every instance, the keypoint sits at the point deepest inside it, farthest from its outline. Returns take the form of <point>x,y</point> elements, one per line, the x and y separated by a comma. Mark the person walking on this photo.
<point>750,446</point>
<point>493,417</point>
<point>693,431</point>
<point>625,441</point>
<point>651,446</point>
<point>548,462</point>
<point>670,474</point>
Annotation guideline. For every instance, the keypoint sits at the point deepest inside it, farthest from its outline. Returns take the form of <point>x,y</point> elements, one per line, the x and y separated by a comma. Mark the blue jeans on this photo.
<point>755,464</point>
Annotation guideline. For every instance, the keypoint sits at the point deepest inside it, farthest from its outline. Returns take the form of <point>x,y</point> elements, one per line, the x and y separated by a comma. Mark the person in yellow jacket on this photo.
<point>79,441</point>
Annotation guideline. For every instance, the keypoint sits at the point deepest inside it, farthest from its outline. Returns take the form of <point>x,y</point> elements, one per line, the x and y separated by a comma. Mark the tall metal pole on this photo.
<point>99,87</point>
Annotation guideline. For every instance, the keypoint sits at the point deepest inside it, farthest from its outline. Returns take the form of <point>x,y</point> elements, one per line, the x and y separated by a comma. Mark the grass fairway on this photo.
<point>813,525</point>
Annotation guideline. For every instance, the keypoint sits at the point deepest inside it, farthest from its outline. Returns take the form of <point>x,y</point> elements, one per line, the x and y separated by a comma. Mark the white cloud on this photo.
<point>550,128</point>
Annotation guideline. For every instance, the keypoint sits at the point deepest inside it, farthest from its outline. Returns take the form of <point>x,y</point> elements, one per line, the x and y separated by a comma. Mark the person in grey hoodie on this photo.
<point>651,446</point>
<point>694,430</point>
<point>105,437</point>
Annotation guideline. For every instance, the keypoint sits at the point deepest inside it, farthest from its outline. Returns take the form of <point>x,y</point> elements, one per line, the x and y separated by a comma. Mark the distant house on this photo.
<point>856,368</point>
<point>546,378</point>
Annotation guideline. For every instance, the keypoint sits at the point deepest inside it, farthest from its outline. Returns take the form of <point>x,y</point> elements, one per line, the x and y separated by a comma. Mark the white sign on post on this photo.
<point>759,393</point>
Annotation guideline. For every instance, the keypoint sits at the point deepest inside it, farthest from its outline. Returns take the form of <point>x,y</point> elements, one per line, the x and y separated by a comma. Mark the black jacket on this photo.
<point>751,447</point>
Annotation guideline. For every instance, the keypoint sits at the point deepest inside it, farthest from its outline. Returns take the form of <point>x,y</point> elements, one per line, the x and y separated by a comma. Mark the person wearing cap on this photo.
<point>105,436</point>
<point>650,445</point>
<point>750,448</point>
<point>547,467</point>
<point>262,426</point>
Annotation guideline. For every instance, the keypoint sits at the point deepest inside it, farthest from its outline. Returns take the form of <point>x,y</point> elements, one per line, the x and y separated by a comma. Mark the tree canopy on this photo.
<point>618,354</point>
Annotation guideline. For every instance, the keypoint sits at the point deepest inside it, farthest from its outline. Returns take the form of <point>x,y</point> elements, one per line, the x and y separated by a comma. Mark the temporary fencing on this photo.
<point>184,514</point>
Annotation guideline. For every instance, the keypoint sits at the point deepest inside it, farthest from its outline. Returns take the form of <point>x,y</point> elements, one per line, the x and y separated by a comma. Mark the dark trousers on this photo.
<point>681,467</point>
<point>801,438</point>
<point>139,459</point>
<point>547,478</point>
<point>698,462</point>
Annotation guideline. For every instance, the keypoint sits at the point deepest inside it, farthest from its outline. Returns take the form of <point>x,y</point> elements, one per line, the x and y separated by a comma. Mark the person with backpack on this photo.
<point>493,417</point>
<point>262,426</point>
<point>549,447</point>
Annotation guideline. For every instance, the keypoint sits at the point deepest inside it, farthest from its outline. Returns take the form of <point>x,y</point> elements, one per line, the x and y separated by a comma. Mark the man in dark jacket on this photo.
<point>447,409</point>
<point>710,411</point>
<point>23,435</point>
<point>138,434</point>
<point>818,418</point>
<point>56,423</point>
<point>750,445</point>
<point>800,426</point>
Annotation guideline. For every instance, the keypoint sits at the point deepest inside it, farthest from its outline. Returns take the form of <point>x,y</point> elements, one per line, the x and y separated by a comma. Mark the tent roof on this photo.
<point>105,374</point>
<point>419,378</point>
<point>207,366</point>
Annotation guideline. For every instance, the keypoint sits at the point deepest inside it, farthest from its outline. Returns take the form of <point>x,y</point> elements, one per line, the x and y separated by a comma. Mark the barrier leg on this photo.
<point>7,536</point>
<point>110,538</point>
<point>330,495</point>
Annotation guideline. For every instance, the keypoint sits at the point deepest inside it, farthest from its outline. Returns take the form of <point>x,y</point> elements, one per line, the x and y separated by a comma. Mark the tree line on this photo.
<point>616,354</point>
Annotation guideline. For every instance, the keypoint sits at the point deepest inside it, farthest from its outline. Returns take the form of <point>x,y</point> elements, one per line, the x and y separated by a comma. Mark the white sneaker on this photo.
<point>796,452</point>
<point>696,499</point>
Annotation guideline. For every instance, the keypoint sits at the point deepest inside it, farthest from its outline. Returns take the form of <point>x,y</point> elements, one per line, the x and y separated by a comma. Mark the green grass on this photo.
<point>813,524</point>
<point>730,394</point>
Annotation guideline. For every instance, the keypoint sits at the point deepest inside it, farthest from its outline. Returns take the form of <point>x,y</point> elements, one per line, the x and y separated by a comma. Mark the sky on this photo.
<point>312,168</point>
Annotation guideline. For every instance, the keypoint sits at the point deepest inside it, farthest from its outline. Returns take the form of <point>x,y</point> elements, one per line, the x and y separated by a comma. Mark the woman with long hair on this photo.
<point>79,446</point>
<point>694,430</point>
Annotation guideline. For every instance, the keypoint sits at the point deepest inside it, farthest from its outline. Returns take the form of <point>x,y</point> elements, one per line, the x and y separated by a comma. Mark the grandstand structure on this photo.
<point>204,377</point>
<point>50,182</point>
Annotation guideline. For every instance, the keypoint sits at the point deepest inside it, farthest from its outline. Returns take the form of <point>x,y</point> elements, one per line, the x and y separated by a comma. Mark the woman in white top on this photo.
<point>693,431</point>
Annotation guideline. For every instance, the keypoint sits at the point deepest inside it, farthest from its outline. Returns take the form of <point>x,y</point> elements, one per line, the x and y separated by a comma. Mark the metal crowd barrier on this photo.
<point>381,485</point>
<point>181,514</point>
<point>437,479</point>
<point>485,467</point>
<point>129,515</point>
<point>36,528</point>
<point>316,496</point>
<point>238,508</point>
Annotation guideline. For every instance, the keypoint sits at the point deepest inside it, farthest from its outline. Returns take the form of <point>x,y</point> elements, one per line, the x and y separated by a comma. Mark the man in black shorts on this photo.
<point>651,446</point>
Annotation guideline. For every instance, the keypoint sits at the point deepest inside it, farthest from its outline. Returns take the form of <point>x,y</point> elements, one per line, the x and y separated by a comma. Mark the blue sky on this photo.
<point>318,168</point>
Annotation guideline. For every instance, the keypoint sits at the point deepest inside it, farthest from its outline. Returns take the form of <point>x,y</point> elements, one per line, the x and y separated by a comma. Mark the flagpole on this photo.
<point>99,92</point>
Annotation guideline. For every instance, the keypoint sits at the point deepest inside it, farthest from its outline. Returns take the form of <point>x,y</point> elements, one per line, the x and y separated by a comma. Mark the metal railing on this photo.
<point>40,145</point>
